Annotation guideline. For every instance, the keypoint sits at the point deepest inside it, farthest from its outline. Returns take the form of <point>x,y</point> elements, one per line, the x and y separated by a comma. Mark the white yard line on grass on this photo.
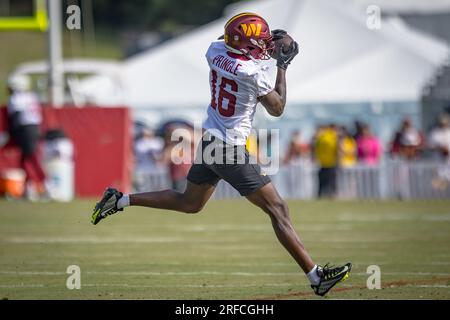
<point>292,265</point>
<point>6,286</point>
<point>127,285</point>
<point>91,240</point>
<point>443,286</point>
<point>199,273</point>
<point>357,217</point>
<point>154,273</point>
<point>205,242</point>
<point>33,273</point>
<point>196,285</point>
<point>266,227</point>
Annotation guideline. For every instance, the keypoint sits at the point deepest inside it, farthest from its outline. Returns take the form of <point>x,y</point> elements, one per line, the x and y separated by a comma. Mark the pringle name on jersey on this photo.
<point>229,65</point>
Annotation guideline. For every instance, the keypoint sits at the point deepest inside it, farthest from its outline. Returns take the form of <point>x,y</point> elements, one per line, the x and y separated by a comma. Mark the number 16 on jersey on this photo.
<point>217,100</point>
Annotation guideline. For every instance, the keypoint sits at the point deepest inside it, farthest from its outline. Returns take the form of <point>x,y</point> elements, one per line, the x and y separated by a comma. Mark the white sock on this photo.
<point>123,202</point>
<point>313,277</point>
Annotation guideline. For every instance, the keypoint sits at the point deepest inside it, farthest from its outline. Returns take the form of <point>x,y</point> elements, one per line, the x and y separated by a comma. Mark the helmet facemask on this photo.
<point>266,46</point>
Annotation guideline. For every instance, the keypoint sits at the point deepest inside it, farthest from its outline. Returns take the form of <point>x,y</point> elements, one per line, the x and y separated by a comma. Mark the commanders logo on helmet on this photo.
<point>249,34</point>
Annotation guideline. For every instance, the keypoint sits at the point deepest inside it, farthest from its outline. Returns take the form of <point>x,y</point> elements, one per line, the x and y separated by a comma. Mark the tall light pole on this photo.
<point>55,63</point>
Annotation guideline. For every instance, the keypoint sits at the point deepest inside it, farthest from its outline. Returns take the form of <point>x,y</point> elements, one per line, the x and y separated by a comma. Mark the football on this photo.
<point>286,41</point>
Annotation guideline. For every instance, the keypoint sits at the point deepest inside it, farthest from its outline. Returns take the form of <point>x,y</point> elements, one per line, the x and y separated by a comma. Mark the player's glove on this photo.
<point>285,58</point>
<point>278,34</point>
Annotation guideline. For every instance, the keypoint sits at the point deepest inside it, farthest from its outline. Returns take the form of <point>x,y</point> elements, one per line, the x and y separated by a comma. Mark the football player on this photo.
<point>239,80</point>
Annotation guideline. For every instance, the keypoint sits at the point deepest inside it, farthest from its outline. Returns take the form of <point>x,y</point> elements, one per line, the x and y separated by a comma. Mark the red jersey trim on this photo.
<point>237,56</point>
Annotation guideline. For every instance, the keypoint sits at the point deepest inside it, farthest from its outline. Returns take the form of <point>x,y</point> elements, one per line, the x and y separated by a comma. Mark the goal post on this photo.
<point>37,22</point>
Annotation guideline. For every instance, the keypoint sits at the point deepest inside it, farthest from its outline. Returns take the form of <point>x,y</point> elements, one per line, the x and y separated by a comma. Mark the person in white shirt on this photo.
<point>239,80</point>
<point>24,119</point>
<point>439,140</point>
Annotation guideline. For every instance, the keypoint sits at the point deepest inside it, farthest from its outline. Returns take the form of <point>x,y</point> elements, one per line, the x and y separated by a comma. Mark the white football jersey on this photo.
<point>236,83</point>
<point>27,104</point>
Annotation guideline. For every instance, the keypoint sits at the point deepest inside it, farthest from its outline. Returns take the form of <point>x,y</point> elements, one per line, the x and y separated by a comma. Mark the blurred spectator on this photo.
<point>148,149</point>
<point>395,147</point>
<point>347,154</point>
<point>264,152</point>
<point>407,142</point>
<point>24,119</point>
<point>252,145</point>
<point>326,154</point>
<point>297,149</point>
<point>319,130</point>
<point>369,147</point>
<point>347,149</point>
<point>439,140</point>
<point>179,155</point>
<point>359,125</point>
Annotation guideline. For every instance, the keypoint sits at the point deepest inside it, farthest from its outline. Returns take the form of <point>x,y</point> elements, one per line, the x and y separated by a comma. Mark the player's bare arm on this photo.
<point>275,101</point>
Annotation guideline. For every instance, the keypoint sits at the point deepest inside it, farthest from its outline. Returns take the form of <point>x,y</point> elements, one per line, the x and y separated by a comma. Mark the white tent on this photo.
<point>409,6</point>
<point>108,71</point>
<point>341,60</point>
<point>344,69</point>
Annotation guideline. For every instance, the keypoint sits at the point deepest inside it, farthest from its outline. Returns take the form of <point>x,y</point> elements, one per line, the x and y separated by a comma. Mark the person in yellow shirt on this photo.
<point>326,154</point>
<point>252,145</point>
<point>348,149</point>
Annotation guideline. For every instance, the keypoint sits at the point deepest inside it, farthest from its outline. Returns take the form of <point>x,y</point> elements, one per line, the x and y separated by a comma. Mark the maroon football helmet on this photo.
<point>249,34</point>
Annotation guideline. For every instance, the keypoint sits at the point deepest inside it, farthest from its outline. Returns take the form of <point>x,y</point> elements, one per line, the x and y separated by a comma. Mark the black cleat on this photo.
<point>329,277</point>
<point>107,205</point>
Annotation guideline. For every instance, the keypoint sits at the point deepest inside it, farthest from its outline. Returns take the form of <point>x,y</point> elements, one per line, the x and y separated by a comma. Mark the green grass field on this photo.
<point>228,251</point>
